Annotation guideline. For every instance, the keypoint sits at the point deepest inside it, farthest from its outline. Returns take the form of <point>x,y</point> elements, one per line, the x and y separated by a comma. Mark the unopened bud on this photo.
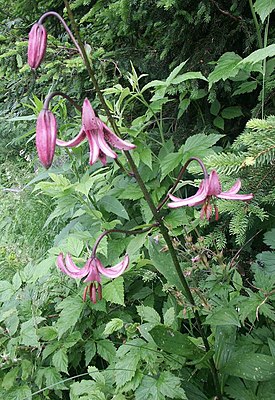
<point>37,45</point>
<point>46,131</point>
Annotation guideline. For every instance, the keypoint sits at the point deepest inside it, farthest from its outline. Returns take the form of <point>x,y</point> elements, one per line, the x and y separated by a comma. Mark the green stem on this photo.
<point>264,65</point>
<point>157,217</point>
<point>256,23</point>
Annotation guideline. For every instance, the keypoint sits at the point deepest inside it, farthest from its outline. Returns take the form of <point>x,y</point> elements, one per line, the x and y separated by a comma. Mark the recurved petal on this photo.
<point>46,131</point>
<point>235,188</point>
<point>37,45</point>
<point>214,187</point>
<point>194,200</point>
<point>102,157</point>
<point>230,196</point>
<point>72,268</point>
<point>93,275</point>
<point>117,270</point>
<point>89,120</point>
<point>74,142</point>
<point>115,141</point>
<point>104,147</point>
<point>72,271</point>
<point>94,148</point>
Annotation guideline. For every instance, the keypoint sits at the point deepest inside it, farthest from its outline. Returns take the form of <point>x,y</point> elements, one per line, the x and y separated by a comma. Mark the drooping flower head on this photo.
<point>46,131</point>
<point>92,271</point>
<point>99,137</point>
<point>208,189</point>
<point>37,45</point>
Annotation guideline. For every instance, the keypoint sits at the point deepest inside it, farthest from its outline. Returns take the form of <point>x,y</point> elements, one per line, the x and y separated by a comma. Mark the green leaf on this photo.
<point>231,112</point>
<point>136,244</point>
<point>184,104</point>
<point>148,314</point>
<point>271,344</point>
<point>219,122</point>
<point>187,76</point>
<point>175,342</point>
<point>223,316</point>
<point>53,378</point>
<point>199,142</point>
<point>225,68</point>
<point>71,309</point>
<point>75,246</point>
<point>113,205</point>
<point>225,339</point>
<point>132,192</point>
<point>176,218</point>
<point>106,350</point>
<point>267,261</point>
<point>245,87</point>
<point>264,8</point>
<point>166,385</point>
<point>258,55</point>
<point>146,156</point>
<point>215,107</point>
<point>169,317</point>
<point>169,163</point>
<point>175,72</point>
<point>112,326</point>
<point>28,335</point>
<point>60,360</point>
<point>251,366</point>
<point>6,291</point>
<point>47,333</point>
<point>164,264</point>
<point>269,238</point>
<point>90,351</point>
<point>114,291</point>
<point>9,378</point>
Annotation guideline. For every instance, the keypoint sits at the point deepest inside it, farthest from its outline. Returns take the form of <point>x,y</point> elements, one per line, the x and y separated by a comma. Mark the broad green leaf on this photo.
<point>219,122</point>
<point>175,342</point>
<point>11,320</point>
<point>175,72</point>
<point>28,332</point>
<point>53,378</point>
<point>71,309</point>
<point>169,317</point>
<point>215,107</point>
<point>225,339</point>
<point>231,112</point>
<point>176,218</point>
<point>169,163</point>
<point>223,316</point>
<point>132,192</point>
<point>187,76</point>
<point>112,326</point>
<point>258,55</point>
<point>9,378</point>
<point>60,360</point>
<point>148,314</point>
<point>90,351</point>
<point>6,290</point>
<point>114,291</point>
<point>266,260</point>
<point>269,238</point>
<point>136,244</point>
<point>184,104</point>
<point>27,368</point>
<point>126,368</point>
<point>146,156</point>
<point>161,387</point>
<point>200,142</point>
<point>47,333</point>
<point>75,246</point>
<point>225,68</point>
<point>164,264</point>
<point>271,344</point>
<point>264,8</point>
<point>246,87</point>
<point>106,349</point>
<point>113,205</point>
<point>251,366</point>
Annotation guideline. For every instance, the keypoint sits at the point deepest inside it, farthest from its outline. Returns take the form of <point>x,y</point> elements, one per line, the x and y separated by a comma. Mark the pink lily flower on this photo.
<point>92,271</point>
<point>46,131</point>
<point>208,189</point>
<point>37,45</point>
<point>99,137</point>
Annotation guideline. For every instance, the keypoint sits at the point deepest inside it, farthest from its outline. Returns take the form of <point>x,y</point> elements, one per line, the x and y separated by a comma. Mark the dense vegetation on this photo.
<point>181,79</point>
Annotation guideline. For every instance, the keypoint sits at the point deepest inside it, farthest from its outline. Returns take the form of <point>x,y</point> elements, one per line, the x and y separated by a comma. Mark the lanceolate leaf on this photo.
<point>264,8</point>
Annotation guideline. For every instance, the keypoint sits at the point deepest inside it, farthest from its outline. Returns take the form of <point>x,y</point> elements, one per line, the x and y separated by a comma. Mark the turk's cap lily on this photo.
<point>91,271</point>
<point>99,137</point>
<point>209,188</point>
<point>37,45</point>
<point>46,131</point>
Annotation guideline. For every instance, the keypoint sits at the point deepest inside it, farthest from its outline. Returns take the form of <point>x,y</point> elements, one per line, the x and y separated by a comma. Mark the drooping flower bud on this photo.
<point>37,45</point>
<point>46,131</point>
<point>89,120</point>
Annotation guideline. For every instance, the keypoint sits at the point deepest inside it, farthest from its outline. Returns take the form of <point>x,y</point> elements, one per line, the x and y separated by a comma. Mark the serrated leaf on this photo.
<point>60,360</point>
<point>28,335</point>
<point>175,72</point>
<point>225,68</point>
<point>106,349</point>
<point>135,244</point>
<point>264,8</point>
<point>71,309</point>
<point>9,378</point>
<point>148,314</point>
<point>223,316</point>
<point>114,291</point>
<point>112,326</point>
<point>258,55</point>
<point>146,156</point>
<point>6,290</point>
<point>245,87</point>
<point>90,351</point>
<point>126,368</point>
<point>75,246</point>
<point>175,342</point>
<point>187,76</point>
<point>169,163</point>
<point>113,205</point>
<point>269,238</point>
<point>162,387</point>
<point>231,112</point>
<point>251,366</point>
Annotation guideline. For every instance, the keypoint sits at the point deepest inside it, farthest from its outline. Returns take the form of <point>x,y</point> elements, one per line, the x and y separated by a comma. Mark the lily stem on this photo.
<point>157,217</point>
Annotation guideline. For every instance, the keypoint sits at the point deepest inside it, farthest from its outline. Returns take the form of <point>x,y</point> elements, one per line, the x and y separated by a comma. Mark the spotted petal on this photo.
<point>117,270</point>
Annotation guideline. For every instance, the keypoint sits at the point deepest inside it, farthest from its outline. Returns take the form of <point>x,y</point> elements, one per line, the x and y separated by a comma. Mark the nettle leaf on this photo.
<point>251,366</point>
<point>161,387</point>
<point>164,264</point>
<point>113,205</point>
<point>264,8</point>
<point>169,163</point>
<point>199,142</point>
<point>148,314</point>
<point>112,326</point>
<point>266,260</point>
<point>71,309</point>
<point>245,87</point>
<point>106,349</point>
<point>225,68</point>
<point>60,360</point>
<point>223,316</point>
<point>114,291</point>
<point>175,342</point>
<point>231,112</point>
